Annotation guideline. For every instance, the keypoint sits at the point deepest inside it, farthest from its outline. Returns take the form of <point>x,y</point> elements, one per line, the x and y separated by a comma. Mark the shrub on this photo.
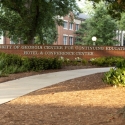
<point>2,64</point>
<point>115,77</point>
<point>47,63</point>
<point>112,61</point>
<point>77,61</point>
<point>25,64</point>
<point>84,62</point>
<point>106,61</point>
<point>10,63</point>
<point>98,61</point>
<point>56,64</point>
<point>120,63</point>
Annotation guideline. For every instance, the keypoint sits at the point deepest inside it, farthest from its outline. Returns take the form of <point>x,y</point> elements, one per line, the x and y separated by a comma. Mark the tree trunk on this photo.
<point>30,41</point>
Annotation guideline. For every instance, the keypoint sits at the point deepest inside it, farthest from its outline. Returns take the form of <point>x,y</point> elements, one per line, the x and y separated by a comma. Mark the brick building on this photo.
<point>66,33</point>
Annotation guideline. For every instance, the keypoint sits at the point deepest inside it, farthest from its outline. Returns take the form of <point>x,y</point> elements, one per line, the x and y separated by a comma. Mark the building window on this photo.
<point>65,40</point>
<point>65,25</point>
<point>71,26</point>
<point>77,27</point>
<point>70,40</point>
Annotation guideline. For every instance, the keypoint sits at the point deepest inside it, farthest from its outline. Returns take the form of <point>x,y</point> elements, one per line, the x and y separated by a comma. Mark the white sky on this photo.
<point>80,3</point>
<point>85,6</point>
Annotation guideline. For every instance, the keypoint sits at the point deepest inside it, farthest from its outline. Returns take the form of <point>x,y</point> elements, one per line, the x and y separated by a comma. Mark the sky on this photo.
<point>85,6</point>
<point>80,3</point>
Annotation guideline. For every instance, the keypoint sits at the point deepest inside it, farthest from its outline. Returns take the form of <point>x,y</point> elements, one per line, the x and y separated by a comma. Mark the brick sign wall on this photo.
<point>66,51</point>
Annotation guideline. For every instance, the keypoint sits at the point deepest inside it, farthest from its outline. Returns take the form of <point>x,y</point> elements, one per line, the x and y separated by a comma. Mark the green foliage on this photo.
<point>121,22</point>
<point>48,36</point>
<point>84,62</point>
<point>10,69</point>
<point>10,63</point>
<point>115,7</point>
<point>98,61</point>
<point>120,63</point>
<point>87,7</point>
<point>37,64</point>
<point>76,62</point>
<point>115,77</point>
<point>100,25</point>
<point>26,19</point>
<point>106,61</point>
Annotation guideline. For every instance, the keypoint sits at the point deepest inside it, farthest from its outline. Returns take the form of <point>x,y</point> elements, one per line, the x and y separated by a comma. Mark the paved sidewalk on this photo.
<point>15,88</point>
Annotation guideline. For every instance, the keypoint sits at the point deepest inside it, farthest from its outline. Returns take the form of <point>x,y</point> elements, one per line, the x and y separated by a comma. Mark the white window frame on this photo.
<point>70,40</point>
<point>65,26</point>
<point>70,26</point>
<point>65,39</point>
<point>77,27</point>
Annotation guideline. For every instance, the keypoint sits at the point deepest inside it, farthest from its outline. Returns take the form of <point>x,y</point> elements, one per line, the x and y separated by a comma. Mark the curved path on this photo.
<point>19,87</point>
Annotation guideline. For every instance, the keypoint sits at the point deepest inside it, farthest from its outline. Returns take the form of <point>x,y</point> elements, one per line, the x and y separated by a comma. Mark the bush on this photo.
<point>98,61</point>
<point>10,63</point>
<point>76,62</point>
<point>115,77</point>
<point>106,61</point>
<point>84,62</point>
<point>120,63</point>
<point>56,64</point>
<point>25,63</point>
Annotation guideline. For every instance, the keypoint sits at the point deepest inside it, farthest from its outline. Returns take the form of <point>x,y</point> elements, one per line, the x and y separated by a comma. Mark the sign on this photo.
<point>66,51</point>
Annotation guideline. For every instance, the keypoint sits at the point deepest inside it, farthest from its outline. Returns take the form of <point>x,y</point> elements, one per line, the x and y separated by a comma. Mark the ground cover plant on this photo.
<point>116,76</point>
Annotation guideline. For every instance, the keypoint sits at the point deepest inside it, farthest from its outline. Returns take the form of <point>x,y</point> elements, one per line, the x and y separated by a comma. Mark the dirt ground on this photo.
<point>81,101</point>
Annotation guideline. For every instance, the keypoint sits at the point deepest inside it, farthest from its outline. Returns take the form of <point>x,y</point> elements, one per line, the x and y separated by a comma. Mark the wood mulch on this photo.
<point>81,101</point>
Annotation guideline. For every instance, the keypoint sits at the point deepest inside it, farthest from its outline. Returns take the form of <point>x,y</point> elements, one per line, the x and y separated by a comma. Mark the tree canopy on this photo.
<point>25,19</point>
<point>100,25</point>
<point>115,7</point>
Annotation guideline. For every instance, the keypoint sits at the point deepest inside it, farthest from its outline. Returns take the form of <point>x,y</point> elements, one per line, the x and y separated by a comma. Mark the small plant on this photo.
<point>67,62</point>
<point>84,62</point>
<point>61,59</point>
<point>92,59</point>
<point>75,63</point>
<point>78,59</point>
<point>115,77</point>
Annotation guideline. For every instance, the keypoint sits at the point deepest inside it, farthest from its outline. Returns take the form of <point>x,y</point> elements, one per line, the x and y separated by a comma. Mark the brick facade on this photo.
<point>66,51</point>
<point>66,36</point>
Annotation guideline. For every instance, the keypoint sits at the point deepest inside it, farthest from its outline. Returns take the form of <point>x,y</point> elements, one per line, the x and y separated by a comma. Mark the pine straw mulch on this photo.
<point>81,101</point>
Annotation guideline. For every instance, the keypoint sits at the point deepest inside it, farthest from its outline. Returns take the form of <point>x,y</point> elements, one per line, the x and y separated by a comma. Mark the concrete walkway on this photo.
<point>15,88</point>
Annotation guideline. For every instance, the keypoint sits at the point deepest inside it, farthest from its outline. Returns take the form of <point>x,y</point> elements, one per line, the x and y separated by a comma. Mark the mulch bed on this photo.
<point>81,101</point>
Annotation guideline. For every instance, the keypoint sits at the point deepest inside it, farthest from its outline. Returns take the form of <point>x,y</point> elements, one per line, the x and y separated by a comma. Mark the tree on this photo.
<point>121,22</point>
<point>83,34</point>
<point>31,17</point>
<point>100,25</point>
<point>115,7</point>
<point>49,36</point>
